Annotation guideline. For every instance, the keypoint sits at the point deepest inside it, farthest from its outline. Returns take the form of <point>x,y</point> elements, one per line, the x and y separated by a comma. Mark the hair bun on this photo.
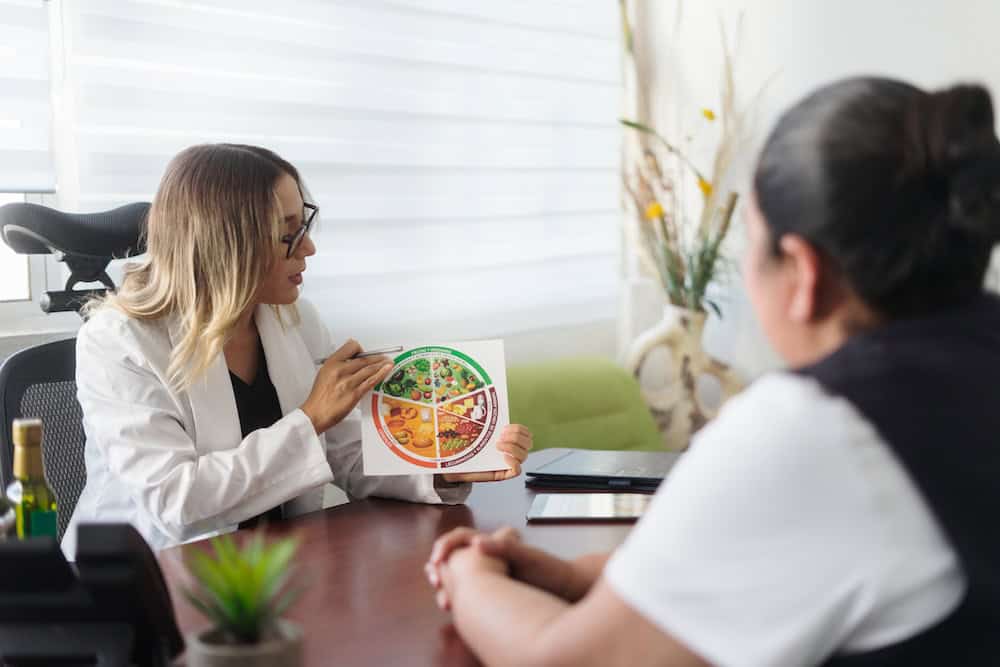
<point>957,126</point>
<point>953,138</point>
<point>974,199</point>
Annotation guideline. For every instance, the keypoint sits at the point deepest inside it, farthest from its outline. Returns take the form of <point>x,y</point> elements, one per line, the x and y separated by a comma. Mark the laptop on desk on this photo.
<point>600,470</point>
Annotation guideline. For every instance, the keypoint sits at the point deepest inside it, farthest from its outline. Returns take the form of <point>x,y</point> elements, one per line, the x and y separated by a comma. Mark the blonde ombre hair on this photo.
<point>211,235</point>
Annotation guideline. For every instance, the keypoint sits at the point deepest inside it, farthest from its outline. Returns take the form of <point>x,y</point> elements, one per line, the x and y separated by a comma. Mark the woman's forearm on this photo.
<point>584,571</point>
<point>567,579</point>
<point>501,618</point>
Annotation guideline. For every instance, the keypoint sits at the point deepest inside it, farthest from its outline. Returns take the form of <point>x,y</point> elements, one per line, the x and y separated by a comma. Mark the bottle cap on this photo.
<point>27,432</point>
<point>27,436</point>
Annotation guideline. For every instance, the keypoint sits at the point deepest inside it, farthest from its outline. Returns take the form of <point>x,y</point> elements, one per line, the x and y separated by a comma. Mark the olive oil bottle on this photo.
<point>33,500</point>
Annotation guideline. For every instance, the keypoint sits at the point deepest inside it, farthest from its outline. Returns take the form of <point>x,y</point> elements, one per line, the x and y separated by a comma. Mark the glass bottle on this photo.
<point>33,500</point>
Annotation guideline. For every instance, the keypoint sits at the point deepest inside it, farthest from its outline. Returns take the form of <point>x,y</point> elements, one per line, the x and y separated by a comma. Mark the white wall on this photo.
<point>803,44</point>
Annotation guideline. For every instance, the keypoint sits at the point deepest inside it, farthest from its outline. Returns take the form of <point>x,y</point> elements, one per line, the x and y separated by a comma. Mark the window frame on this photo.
<point>17,198</point>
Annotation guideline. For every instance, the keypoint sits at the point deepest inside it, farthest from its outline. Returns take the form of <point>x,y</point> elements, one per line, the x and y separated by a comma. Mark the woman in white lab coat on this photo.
<point>203,405</point>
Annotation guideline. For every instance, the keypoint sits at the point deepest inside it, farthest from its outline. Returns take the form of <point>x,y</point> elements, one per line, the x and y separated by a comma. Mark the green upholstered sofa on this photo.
<point>584,403</point>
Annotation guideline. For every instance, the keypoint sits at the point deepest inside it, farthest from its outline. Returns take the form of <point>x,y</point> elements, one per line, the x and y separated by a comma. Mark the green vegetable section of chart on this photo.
<point>457,429</point>
<point>452,378</point>
<point>412,380</point>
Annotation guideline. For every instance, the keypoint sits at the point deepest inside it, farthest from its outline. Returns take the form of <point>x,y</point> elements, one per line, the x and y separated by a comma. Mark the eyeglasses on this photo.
<point>309,212</point>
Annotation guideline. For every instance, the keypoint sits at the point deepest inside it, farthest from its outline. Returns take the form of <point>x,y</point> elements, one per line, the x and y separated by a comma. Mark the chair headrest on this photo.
<point>31,229</point>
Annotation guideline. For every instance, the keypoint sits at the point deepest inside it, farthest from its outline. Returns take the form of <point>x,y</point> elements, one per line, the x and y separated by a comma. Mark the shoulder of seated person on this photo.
<point>109,319</point>
<point>783,412</point>
<point>111,330</point>
<point>784,394</point>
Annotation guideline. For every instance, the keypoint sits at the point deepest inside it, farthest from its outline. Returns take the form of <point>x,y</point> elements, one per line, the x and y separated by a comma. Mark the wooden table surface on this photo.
<point>367,601</point>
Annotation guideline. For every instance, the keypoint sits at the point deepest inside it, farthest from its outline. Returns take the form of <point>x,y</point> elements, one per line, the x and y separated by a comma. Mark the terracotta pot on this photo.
<point>677,407</point>
<point>283,650</point>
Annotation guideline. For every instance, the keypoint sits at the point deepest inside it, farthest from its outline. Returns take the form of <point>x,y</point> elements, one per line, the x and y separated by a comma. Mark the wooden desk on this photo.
<point>368,602</point>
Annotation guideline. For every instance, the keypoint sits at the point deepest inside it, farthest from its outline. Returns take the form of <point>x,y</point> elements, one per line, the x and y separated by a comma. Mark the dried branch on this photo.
<point>686,262</point>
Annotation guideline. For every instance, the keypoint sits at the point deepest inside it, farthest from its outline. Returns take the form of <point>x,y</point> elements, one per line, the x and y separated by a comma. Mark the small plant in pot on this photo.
<point>244,591</point>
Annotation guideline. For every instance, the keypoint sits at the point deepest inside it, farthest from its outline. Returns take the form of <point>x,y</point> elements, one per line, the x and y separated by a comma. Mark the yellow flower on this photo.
<point>654,211</point>
<point>708,113</point>
<point>705,187</point>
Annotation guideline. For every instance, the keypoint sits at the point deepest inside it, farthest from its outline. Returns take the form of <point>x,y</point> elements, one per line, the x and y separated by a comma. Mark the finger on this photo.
<point>516,429</point>
<point>381,372</point>
<point>349,367</point>
<point>346,351</point>
<point>523,441</point>
<point>519,433</point>
<point>345,369</point>
<point>506,534</point>
<point>515,467</point>
<point>467,477</point>
<point>489,476</point>
<point>359,392</point>
<point>432,575</point>
<point>519,438</point>
<point>448,542</point>
<point>500,543</point>
<point>367,386</point>
<point>378,359</point>
<point>367,378</point>
<point>513,449</point>
<point>512,471</point>
<point>364,362</point>
<point>518,455</point>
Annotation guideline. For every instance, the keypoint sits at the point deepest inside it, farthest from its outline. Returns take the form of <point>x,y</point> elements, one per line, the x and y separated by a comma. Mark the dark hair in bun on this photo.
<point>897,187</point>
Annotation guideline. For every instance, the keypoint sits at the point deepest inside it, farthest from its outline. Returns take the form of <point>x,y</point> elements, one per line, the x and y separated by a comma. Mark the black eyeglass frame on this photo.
<point>295,240</point>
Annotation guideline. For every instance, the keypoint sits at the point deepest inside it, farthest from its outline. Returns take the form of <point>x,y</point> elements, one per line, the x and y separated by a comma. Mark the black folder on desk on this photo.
<point>601,470</point>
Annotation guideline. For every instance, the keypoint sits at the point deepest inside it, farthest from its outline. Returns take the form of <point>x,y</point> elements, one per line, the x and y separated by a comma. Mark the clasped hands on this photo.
<point>464,553</point>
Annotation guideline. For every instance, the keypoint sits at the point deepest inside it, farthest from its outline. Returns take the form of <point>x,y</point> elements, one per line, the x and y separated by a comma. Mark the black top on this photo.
<point>928,386</point>
<point>258,407</point>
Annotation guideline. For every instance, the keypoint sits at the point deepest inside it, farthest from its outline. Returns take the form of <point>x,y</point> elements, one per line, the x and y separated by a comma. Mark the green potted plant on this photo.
<point>244,591</point>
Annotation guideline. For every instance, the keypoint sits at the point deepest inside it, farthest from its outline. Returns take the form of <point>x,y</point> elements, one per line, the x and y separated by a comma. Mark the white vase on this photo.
<point>677,407</point>
<point>284,650</point>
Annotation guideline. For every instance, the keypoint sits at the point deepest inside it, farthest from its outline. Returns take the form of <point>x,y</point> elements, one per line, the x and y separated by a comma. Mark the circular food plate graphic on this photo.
<point>436,409</point>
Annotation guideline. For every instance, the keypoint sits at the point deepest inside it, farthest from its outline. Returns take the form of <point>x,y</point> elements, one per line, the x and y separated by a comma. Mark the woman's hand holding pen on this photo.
<point>341,383</point>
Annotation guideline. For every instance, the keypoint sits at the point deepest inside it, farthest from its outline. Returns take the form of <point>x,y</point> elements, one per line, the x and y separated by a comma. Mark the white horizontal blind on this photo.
<point>463,154</point>
<point>25,122</point>
<point>15,277</point>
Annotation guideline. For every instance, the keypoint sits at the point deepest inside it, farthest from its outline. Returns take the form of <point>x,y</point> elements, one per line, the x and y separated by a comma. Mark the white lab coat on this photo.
<point>175,465</point>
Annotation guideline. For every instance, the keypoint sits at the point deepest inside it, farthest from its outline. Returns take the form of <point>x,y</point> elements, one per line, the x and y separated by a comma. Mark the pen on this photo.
<point>369,353</point>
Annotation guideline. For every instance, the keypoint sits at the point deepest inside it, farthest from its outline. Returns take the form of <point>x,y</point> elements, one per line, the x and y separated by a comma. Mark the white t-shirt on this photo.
<point>787,533</point>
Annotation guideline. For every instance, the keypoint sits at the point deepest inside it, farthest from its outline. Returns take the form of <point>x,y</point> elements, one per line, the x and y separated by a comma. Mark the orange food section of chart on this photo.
<point>436,409</point>
<point>411,425</point>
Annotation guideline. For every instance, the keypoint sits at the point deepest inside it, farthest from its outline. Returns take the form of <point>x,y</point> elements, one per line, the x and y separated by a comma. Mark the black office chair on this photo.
<point>40,381</point>
<point>86,242</point>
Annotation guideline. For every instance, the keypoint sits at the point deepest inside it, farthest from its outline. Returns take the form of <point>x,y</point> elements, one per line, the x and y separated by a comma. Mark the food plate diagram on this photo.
<point>439,409</point>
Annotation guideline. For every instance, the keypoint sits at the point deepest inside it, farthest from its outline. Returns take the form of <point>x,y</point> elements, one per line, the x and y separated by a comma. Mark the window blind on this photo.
<point>463,154</point>
<point>25,122</point>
